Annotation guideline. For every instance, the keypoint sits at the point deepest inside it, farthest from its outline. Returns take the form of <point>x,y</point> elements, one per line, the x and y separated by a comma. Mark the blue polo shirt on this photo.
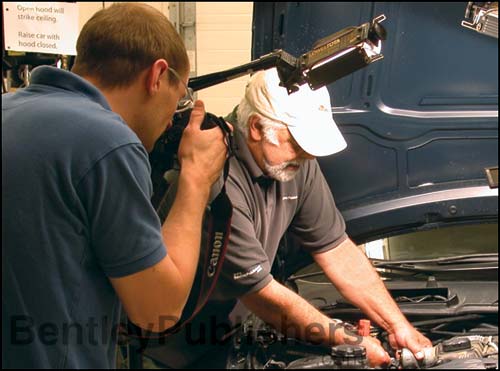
<point>76,210</point>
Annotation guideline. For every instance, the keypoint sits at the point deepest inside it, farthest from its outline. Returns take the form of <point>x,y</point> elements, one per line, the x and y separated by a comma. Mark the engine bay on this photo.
<point>463,337</point>
<point>463,342</point>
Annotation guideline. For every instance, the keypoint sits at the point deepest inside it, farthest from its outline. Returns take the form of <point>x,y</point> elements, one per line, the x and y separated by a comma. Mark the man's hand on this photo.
<point>376,355</point>
<point>201,152</point>
<point>405,335</point>
<point>293,316</point>
<point>369,294</point>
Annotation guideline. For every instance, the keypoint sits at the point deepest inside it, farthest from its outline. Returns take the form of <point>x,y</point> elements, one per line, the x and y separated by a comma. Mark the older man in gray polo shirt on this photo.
<point>275,185</point>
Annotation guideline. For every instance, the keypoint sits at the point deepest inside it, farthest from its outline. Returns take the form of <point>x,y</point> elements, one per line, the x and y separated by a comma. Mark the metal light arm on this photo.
<point>331,58</point>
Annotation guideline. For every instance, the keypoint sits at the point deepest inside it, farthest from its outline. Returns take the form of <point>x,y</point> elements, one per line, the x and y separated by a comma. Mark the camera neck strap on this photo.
<point>219,228</point>
<point>219,214</point>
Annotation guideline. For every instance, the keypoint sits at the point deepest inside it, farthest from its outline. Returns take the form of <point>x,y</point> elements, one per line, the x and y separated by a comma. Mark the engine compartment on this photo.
<point>462,342</point>
<point>464,333</point>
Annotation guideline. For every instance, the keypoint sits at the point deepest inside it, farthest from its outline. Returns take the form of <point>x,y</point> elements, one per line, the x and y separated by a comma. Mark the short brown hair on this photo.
<point>119,42</point>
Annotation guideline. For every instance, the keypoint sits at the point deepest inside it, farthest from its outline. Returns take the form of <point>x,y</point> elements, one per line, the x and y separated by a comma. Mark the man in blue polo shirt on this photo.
<point>79,233</point>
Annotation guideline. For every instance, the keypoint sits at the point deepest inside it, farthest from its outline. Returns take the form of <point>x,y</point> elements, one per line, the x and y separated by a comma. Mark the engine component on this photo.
<point>343,357</point>
<point>364,327</point>
<point>460,347</point>
<point>475,346</point>
<point>456,344</point>
<point>408,360</point>
<point>349,356</point>
<point>312,363</point>
<point>469,364</point>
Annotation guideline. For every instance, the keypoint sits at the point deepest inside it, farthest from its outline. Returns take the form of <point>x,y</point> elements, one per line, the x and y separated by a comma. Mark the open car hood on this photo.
<point>421,125</point>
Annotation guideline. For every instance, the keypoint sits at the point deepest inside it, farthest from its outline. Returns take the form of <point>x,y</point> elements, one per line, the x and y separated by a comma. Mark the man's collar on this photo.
<point>52,76</point>
<point>244,155</point>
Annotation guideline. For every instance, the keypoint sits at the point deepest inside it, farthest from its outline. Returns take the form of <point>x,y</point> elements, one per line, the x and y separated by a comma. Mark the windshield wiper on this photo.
<point>453,263</point>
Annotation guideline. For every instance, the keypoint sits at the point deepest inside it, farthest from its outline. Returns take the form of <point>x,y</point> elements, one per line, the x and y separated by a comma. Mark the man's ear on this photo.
<point>255,129</point>
<point>155,76</point>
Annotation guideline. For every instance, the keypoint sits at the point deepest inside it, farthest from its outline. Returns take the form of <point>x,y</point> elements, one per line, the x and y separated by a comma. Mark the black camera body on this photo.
<point>164,154</point>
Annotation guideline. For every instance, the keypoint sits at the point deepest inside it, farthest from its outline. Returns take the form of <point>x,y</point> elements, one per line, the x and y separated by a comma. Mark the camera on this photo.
<point>164,154</point>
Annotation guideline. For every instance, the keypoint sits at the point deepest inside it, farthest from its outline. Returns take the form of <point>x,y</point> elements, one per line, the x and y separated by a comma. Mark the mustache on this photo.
<point>284,165</point>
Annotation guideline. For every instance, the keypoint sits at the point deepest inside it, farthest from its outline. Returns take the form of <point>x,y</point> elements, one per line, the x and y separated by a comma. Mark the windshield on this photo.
<point>437,243</point>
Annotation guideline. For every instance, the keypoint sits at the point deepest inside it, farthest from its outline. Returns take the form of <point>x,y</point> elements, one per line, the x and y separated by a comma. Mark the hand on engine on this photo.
<point>375,353</point>
<point>406,336</point>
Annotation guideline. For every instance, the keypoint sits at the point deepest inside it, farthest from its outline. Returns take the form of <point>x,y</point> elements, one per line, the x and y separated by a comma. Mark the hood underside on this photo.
<point>421,125</point>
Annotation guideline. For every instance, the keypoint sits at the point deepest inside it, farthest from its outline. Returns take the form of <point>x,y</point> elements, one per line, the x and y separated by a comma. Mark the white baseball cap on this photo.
<point>307,113</point>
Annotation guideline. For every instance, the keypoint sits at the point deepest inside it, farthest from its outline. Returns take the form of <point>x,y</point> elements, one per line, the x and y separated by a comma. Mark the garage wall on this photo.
<point>223,40</point>
<point>87,9</point>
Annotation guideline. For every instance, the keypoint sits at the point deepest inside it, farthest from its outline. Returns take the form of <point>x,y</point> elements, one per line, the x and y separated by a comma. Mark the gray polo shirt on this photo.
<point>264,209</point>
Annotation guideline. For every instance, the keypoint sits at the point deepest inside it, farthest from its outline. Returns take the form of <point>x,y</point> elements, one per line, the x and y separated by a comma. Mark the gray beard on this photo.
<point>279,172</point>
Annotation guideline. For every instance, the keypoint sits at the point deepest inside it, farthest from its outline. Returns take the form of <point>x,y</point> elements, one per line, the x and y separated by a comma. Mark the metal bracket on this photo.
<point>183,17</point>
<point>492,175</point>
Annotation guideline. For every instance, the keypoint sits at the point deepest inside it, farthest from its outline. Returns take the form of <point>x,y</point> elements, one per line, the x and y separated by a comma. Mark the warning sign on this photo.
<point>41,27</point>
